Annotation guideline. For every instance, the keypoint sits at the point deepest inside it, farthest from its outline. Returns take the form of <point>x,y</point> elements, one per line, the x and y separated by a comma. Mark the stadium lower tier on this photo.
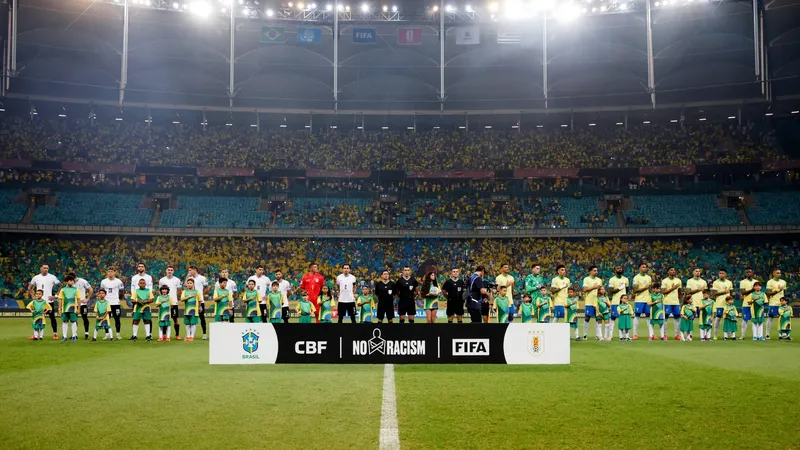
<point>21,258</point>
<point>105,209</point>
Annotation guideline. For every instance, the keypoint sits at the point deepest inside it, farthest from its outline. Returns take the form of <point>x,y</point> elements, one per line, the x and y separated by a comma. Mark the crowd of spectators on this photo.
<point>20,258</point>
<point>230,146</point>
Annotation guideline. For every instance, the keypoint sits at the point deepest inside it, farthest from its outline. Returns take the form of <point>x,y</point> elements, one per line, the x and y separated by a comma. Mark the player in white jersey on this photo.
<point>175,287</point>
<point>140,273</point>
<point>262,284</point>
<point>86,291</point>
<point>45,281</point>
<point>115,290</point>
<point>201,284</point>
<point>285,288</point>
<point>347,300</point>
<point>231,286</point>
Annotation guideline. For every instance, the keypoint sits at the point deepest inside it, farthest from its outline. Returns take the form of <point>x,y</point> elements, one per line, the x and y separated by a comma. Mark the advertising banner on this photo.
<point>260,343</point>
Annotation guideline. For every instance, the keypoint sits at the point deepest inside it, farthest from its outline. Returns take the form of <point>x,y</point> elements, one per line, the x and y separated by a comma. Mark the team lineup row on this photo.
<point>264,299</point>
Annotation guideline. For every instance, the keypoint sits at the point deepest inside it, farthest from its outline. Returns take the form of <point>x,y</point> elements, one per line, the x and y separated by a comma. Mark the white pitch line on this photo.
<point>390,434</point>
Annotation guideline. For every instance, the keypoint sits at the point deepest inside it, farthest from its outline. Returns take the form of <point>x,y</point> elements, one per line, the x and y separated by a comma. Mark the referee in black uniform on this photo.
<point>385,291</point>
<point>407,292</point>
<point>479,299</point>
<point>454,289</point>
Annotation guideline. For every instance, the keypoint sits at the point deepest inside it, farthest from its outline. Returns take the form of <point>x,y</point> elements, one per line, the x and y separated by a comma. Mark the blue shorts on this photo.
<point>640,308</point>
<point>673,311</point>
<point>773,311</point>
<point>591,311</point>
<point>559,312</point>
<point>614,311</point>
<point>720,312</point>
<point>747,313</point>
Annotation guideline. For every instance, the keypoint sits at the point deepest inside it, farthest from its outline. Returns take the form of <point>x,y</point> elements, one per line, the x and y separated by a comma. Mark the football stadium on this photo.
<point>458,224</point>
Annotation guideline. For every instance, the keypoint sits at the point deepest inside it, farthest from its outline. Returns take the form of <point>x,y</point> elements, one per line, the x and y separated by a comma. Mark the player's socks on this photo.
<point>64,329</point>
<point>402,320</point>
<point>650,329</point>
<point>136,330</point>
<point>177,329</point>
<point>409,321</point>
<point>744,328</point>
<point>769,325</point>
<point>598,330</point>
<point>635,324</point>
<point>585,327</point>
<point>576,333</point>
<point>147,329</point>
<point>168,332</point>
<point>95,333</point>
<point>161,332</point>
<point>610,330</point>
<point>35,334</point>
<point>75,329</point>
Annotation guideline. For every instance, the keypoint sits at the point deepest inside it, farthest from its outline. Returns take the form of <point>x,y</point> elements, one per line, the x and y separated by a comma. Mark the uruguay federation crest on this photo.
<point>536,342</point>
<point>250,341</point>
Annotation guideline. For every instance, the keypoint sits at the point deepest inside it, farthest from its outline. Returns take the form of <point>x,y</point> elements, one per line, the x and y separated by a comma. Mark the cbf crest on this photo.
<point>250,344</point>
<point>536,343</point>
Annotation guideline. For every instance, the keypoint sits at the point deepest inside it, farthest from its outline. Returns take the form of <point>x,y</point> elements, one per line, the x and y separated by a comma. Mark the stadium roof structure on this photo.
<point>536,56</point>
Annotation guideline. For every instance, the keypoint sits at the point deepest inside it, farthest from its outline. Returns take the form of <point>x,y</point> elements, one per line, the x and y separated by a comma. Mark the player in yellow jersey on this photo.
<point>591,284</point>
<point>640,291</point>
<point>776,288</point>
<point>617,287</point>
<point>746,293</point>
<point>672,303</point>
<point>694,288</point>
<point>723,288</point>
<point>559,286</point>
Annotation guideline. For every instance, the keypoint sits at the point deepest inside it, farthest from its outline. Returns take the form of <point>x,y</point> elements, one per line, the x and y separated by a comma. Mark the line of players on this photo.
<point>541,302</point>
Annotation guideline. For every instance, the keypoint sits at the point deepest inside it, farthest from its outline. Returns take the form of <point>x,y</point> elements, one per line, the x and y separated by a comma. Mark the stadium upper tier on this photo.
<point>184,145</point>
<point>442,213</point>
<point>88,258</point>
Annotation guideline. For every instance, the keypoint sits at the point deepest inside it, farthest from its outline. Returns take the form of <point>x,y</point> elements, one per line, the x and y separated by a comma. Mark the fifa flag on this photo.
<point>309,35</point>
<point>273,35</point>
<point>409,36</point>
<point>468,35</point>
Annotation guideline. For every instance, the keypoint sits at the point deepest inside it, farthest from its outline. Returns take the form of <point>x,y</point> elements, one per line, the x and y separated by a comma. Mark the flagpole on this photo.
<point>336,55</point>
<point>232,79</point>
<point>544,58</point>
<point>442,36</point>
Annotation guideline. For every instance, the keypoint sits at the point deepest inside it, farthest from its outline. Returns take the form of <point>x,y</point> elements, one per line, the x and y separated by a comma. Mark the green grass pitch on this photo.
<point>115,395</point>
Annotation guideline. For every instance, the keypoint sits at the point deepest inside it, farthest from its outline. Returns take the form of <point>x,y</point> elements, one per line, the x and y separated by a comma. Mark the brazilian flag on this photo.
<point>273,35</point>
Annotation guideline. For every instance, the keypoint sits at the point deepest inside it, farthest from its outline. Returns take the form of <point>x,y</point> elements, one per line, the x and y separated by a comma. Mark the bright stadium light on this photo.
<point>384,128</point>
<point>364,8</point>
<point>488,127</point>
<point>592,124</point>
<point>623,7</point>
<point>394,8</point>
<point>450,8</point>
<point>603,8</point>
<point>731,117</point>
<point>347,8</point>
<point>175,5</point>
<point>328,7</point>
<point>313,6</point>
<point>702,119</point>
<point>301,6</point>
<point>768,114</point>
<point>245,12</point>
<point>270,13</point>
<point>201,9</point>
<point>493,7</point>
<point>620,123</point>
<point>283,125</point>
<point>288,4</point>
<point>567,12</point>
<point>469,8</point>
<point>657,4</point>
<point>646,122</point>
<point>435,8</point>
<point>564,125</point>
<point>674,121</point>
<point>795,112</point>
<point>385,8</point>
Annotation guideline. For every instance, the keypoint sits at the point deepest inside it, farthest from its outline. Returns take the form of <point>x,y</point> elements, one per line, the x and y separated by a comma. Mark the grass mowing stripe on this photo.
<point>390,435</point>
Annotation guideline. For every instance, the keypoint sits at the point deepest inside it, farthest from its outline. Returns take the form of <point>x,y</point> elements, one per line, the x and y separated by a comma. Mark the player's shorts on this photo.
<point>38,326</point>
<point>614,311</point>
<point>407,308</point>
<point>116,311</point>
<point>307,319</point>
<point>640,308</point>
<point>747,313</point>
<point>84,309</point>
<point>69,317</point>
<point>164,323</point>
<point>559,312</point>
<point>253,319</point>
<point>102,325</point>
<point>201,310</point>
<point>719,312</point>
<point>485,309</point>
<point>455,308</point>
<point>146,316</point>
<point>222,318</point>
<point>173,312</point>
<point>386,310</point>
<point>190,320</point>
<point>656,321</point>
<point>573,325</point>
<point>591,311</point>
<point>604,316</point>
<point>773,311</point>
<point>673,311</point>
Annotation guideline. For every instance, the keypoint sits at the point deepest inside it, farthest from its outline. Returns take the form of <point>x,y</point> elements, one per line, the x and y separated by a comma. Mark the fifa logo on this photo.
<point>250,344</point>
<point>536,342</point>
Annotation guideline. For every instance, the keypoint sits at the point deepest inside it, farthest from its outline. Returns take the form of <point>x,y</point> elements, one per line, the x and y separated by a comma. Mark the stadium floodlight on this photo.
<point>252,125</point>
<point>657,4</point>
<point>488,127</point>
<point>450,8</point>
<point>224,10</point>
<point>462,127</point>
<point>514,127</point>
<point>620,123</point>
<point>409,128</point>
<point>435,8</point>
<point>289,4</point>
<point>603,8</point>
<point>592,124</point>
<point>594,10</point>
<point>308,126</point>
<point>646,122</point>
<point>301,6</point>
<point>118,119</point>
<point>493,7</point>
<point>564,125</point>
<point>539,126</point>
<point>201,9</point>
<point>62,115</point>
<point>312,6</point>
<point>360,127</point>
<point>623,7</point>
<point>702,119</point>
<point>567,12</point>
<point>283,125</point>
<point>328,7</point>
<point>364,8</point>
<point>674,121</point>
<point>793,112</point>
<point>270,13</point>
<point>469,8</point>
<point>385,8</point>
<point>731,117</point>
<point>436,128</point>
<point>384,128</point>
<point>175,5</point>
<point>768,114</point>
<point>347,8</point>
<point>394,8</point>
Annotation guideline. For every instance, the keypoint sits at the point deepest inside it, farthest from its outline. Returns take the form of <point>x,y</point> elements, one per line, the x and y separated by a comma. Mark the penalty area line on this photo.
<point>390,434</point>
